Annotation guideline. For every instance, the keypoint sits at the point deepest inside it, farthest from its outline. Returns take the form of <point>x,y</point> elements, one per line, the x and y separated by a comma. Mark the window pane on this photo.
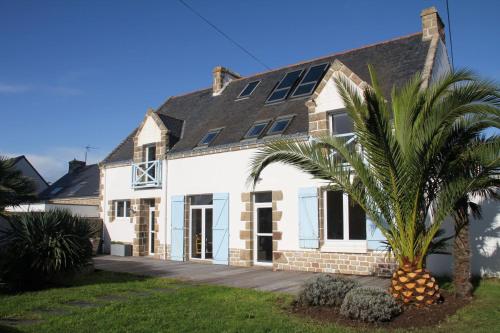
<point>264,220</point>
<point>278,95</point>
<point>289,79</point>
<point>201,199</point>
<point>249,89</point>
<point>208,233</point>
<point>120,209</point>
<point>264,196</point>
<point>208,138</point>
<point>265,248</point>
<point>256,130</point>
<point>334,215</point>
<point>127,208</point>
<point>314,74</point>
<point>342,123</point>
<point>196,232</point>
<point>279,126</point>
<point>304,89</point>
<point>151,153</point>
<point>357,221</point>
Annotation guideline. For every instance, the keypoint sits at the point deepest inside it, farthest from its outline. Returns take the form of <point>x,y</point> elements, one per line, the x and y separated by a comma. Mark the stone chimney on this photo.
<point>432,24</point>
<point>75,165</point>
<point>221,77</point>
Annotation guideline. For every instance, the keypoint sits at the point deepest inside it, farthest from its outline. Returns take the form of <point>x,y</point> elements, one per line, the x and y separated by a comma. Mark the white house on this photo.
<point>176,188</point>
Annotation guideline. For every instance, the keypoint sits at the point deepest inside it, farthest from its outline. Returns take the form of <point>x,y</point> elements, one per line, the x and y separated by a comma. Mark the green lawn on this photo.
<point>112,302</point>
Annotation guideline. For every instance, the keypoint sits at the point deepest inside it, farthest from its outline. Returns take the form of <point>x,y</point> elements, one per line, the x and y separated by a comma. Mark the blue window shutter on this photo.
<point>177,234</point>
<point>220,229</point>
<point>374,237</point>
<point>308,218</point>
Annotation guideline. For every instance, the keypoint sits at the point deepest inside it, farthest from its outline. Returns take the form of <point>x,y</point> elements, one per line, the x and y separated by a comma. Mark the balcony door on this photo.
<point>201,232</point>
<point>150,156</point>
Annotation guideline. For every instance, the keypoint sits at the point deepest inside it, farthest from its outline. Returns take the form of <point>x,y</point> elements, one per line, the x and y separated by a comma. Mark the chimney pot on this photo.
<point>75,165</point>
<point>432,24</point>
<point>221,77</point>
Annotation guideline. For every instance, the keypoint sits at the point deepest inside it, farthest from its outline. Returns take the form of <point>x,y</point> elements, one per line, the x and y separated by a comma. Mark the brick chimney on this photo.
<point>432,24</point>
<point>75,165</point>
<point>221,77</point>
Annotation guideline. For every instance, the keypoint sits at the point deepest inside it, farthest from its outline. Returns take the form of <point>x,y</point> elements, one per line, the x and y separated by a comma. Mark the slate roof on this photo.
<point>83,182</point>
<point>395,61</point>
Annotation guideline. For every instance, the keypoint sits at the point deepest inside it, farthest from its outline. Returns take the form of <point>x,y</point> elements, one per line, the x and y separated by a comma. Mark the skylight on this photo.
<point>256,130</point>
<point>283,88</point>
<point>209,137</point>
<point>310,80</point>
<point>56,190</point>
<point>279,126</point>
<point>249,89</point>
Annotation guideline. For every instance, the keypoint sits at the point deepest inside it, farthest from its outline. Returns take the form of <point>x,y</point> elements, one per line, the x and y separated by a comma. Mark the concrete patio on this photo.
<point>260,278</point>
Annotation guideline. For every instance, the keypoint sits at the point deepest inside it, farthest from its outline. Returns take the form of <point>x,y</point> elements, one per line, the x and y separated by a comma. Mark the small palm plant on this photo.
<point>396,172</point>
<point>37,247</point>
<point>14,187</point>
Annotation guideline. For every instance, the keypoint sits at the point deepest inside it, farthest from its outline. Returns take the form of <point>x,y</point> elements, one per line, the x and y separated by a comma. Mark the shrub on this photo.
<point>326,290</point>
<point>370,304</point>
<point>39,247</point>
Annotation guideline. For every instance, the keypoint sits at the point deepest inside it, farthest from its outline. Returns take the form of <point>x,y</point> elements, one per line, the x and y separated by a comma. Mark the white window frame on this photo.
<point>257,205</point>
<point>203,231</point>
<point>126,208</point>
<point>346,244</point>
<point>146,155</point>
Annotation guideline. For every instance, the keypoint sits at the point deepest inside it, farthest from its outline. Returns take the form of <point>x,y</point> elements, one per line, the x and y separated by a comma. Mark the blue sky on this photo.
<point>77,73</point>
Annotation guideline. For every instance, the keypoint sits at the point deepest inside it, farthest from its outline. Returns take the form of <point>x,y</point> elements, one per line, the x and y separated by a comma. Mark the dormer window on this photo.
<point>248,90</point>
<point>284,86</point>
<point>279,126</point>
<point>257,129</point>
<point>310,80</point>
<point>209,137</point>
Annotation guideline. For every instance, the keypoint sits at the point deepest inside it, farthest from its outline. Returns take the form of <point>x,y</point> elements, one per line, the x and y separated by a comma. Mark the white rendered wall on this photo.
<point>118,186</point>
<point>329,98</point>
<point>227,173</point>
<point>150,133</point>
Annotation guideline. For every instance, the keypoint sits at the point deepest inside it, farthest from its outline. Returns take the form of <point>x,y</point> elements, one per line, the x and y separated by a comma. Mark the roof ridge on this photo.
<point>386,41</point>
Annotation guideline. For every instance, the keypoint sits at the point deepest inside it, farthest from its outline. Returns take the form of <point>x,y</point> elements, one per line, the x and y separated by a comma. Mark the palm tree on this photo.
<point>480,162</point>
<point>14,187</point>
<point>395,172</point>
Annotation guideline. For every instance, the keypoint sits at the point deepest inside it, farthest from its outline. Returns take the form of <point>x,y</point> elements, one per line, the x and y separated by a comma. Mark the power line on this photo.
<point>241,47</point>
<point>449,31</point>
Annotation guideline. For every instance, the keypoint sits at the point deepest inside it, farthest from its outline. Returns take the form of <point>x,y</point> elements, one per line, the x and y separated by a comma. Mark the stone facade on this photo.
<point>370,263</point>
<point>244,257</point>
<point>84,201</point>
<point>140,243</point>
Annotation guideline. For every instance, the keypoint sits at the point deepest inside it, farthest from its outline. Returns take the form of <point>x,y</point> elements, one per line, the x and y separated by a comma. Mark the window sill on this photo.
<point>123,219</point>
<point>345,246</point>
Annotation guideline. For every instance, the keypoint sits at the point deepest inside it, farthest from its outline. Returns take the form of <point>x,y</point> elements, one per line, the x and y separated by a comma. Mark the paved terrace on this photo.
<point>260,278</point>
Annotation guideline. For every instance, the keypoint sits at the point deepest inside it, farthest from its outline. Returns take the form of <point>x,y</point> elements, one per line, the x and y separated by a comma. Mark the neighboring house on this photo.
<point>76,191</point>
<point>22,164</point>
<point>176,188</point>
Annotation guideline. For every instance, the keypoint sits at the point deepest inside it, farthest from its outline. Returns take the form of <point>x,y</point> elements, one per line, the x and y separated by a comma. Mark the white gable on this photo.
<point>329,98</point>
<point>150,133</point>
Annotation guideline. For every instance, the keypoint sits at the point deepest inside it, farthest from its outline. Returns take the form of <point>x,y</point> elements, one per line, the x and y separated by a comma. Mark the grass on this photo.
<point>140,304</point>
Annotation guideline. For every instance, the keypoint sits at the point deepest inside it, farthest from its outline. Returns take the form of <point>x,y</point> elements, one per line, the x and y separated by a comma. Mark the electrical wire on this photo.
<point>241,47</point>
<point>449,32</point>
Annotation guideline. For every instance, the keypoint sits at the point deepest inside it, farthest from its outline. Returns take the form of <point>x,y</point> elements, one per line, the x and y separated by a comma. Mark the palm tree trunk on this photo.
<point>461,258</point>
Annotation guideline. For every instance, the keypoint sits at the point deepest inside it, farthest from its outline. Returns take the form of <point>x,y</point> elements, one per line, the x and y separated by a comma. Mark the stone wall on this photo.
<point>84,201</point>
<point>370,263</point>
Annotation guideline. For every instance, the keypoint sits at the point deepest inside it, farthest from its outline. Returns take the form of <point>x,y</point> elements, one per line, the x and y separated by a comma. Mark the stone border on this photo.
<point>371,263</point>
<point>161,147</point>
<point>141,227</point>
